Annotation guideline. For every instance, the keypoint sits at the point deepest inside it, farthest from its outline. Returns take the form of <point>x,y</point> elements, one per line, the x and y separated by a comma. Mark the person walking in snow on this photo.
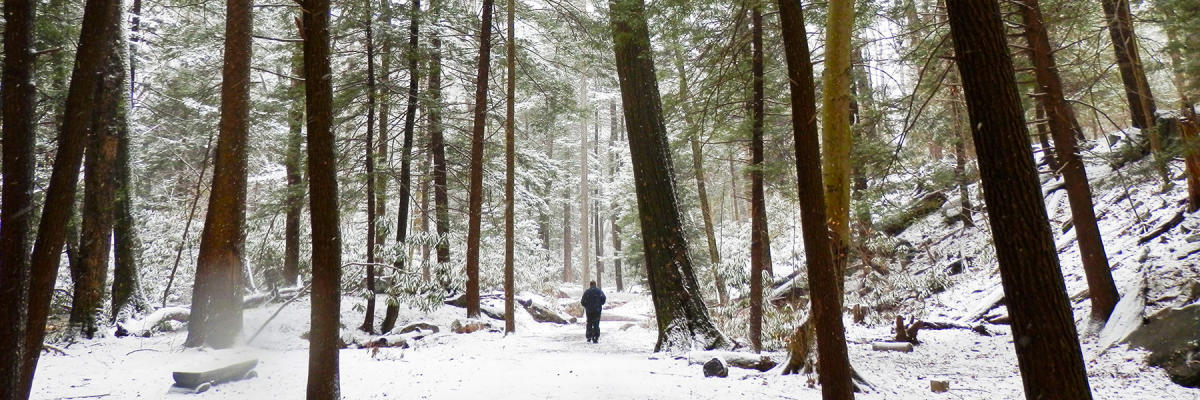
<point>593,300</point>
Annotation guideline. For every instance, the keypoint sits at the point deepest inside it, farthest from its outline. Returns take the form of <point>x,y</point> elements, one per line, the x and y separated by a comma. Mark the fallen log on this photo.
<point>757,362</point>
<point>892,346</point>
<point>204,377</point>
<point>153,322</point>
<point>542,313</point>
<point>1162,228</point>
<point>928,204</point>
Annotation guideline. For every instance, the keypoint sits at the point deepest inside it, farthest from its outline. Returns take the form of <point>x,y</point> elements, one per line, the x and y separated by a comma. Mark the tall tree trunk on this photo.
<point>368,324</point>
<point>99,194</point>
<point>760,245</point>
<point>833,363</point>
<point>216,318</point>
<point>510,325</point>
<point>1133,76</point>
<point>835,129</point>
<point>614,128</point>
<point>19,94</point>
<point>410,120</point>
<point>960,158</point>
<point>101,21</point>
<point>293,158</point>
<point>323,379</point>
<point>1064,128</point>
<point>127,295</point>
<point>478,126</point>
<point>383,97</point>
<point>683,320</point>
<point>1036,297</point>
<point>585,256</point>
<point>437,140</point>
<point>714,254</point>
<point>567,272</point>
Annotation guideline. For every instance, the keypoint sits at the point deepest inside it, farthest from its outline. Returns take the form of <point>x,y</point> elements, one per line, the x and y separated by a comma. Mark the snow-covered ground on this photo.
<point>547,361</point>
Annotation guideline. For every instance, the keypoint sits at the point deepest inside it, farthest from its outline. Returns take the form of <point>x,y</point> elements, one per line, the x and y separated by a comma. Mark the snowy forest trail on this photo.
<point>548,361</point>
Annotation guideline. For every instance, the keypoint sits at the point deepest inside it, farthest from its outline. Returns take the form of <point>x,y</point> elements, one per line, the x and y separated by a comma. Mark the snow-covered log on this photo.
<point>152,323</point>
<point>742,360</point>
<point>542,312</point>
<point>892,346</point>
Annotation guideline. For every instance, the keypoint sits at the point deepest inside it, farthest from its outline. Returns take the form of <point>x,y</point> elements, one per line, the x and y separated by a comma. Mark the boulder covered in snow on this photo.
<point>1171,337</point>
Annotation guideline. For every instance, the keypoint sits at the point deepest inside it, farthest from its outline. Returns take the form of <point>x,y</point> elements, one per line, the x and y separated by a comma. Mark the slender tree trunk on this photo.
<point>383,96</point>
<point>438,144</point>
<point>410,120</point>
<point>960,158</point>
<point>567,276</point>
<point>1133,76</point>
<point>216,318</point>
<point>476,190</point>
<point>510,325</point>
<point>1044,135</point>
<point>714,255</point>
<point>1036,297</point>
<point>19,93</point>
<point>614,129</point>
<point>368,324</point>
<point>293,158</point>
<point>323,374</point>
<point>835,129</point>
<point>1064,128</point>
<point>833,364</point>
<point>683,321</point>
<point>584,255</point>
<point>760,246</point>
<point>101,19</point>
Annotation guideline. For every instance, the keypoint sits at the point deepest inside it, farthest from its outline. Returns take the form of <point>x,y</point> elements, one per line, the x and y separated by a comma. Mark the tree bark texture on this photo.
<point>216,318</point>
<point>683,320</point>
<point>835,128</point>
<point>99,193</point>
<point>1044,333</point>
<point>293,159</point>
<point>127,295</point>
<point>760,245</point>
<point>323,368</point>
<point>510,325</point>
<point>479,125</point>
<point>833,363</point>
<point>19,96</point>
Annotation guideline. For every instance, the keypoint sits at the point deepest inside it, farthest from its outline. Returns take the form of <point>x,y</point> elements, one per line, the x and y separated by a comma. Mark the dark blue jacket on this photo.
<point>593,300</point>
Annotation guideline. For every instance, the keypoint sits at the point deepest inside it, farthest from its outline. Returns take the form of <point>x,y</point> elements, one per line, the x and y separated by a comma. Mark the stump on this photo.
<point>715,367</point>
<point>939,386</point>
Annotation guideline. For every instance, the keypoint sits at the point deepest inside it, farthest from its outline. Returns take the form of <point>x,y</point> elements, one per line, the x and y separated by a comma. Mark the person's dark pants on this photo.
<point>593,326</point>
